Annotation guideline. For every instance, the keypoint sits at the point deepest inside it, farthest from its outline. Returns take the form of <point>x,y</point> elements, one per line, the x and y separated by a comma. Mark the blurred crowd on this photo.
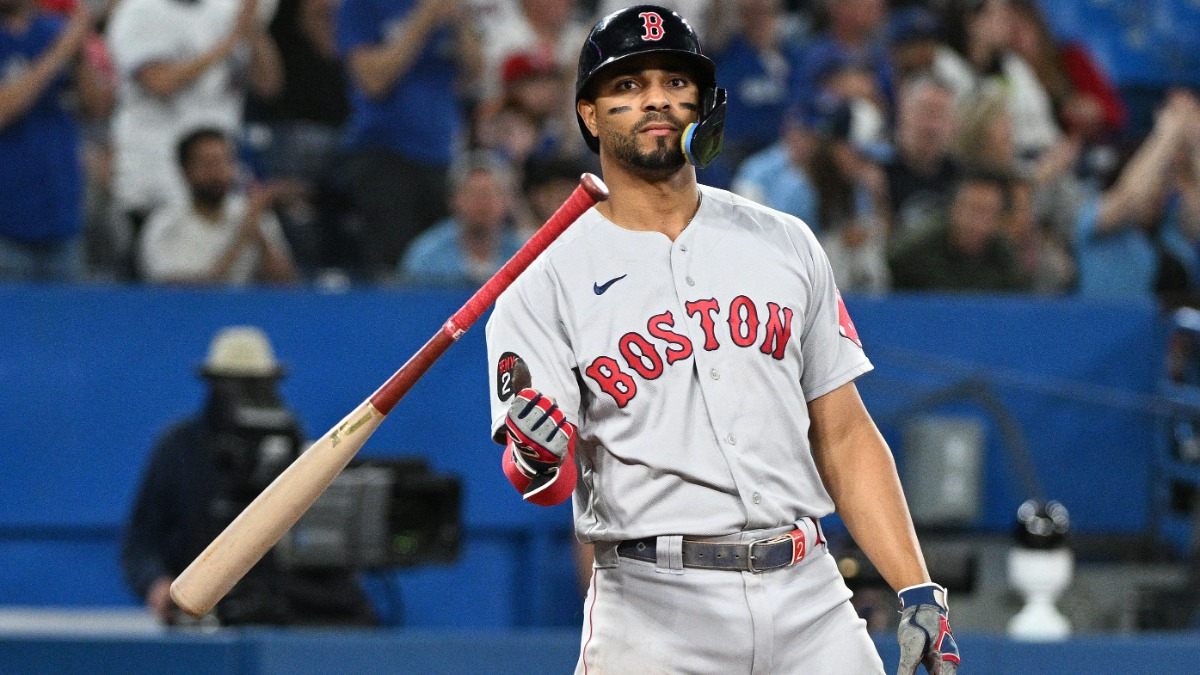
<point>937,145</point>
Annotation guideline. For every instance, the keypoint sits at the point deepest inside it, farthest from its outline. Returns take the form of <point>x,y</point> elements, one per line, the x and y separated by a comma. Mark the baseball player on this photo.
<point>680,362</point>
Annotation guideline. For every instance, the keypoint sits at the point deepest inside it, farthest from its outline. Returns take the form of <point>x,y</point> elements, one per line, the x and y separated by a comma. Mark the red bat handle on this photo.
<point>590,191</point>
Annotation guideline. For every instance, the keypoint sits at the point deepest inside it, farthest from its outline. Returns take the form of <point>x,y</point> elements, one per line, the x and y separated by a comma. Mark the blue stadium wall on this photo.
<point>91,375</point>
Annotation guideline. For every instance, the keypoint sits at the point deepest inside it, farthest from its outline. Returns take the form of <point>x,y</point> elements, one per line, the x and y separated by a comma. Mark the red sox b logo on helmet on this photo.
<point>652,22</point>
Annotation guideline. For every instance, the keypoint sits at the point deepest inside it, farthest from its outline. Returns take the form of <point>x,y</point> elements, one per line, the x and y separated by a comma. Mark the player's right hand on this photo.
<point>539,435</point>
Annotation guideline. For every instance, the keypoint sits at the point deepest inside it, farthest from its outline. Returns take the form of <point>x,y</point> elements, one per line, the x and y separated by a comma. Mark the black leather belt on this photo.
<point>755,556</point>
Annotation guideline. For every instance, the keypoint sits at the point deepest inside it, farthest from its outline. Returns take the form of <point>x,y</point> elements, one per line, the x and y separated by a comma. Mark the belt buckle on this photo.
<point>795,540</point>
<point>750,555</point>
<point>750,552</point>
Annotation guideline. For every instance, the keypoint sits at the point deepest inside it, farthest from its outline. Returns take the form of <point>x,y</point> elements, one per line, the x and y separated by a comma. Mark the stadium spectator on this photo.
<point>547,185</point>
<point>41,176</point>
<point>535,114</point>
<point>966,247</point>
<point>468,247</point>
<point>296,137</point>
<point>182,65</point>
<point>407,62</point>
<point>219,235</point>
<point>1085,101</point>
<point>550,27</point>
<point>305,120</point>
<point>203,471</point>
<point>1138,238</point>
<point>851,205</point>
<point>921,171</point>
<point>757,64</point>
<point>914,35</point>
<point>978,58</point>
<point>780,176</point>
<point>986,138</point>
<point>854,35</point>
<point>1045,260</point>
<point>846,77</point>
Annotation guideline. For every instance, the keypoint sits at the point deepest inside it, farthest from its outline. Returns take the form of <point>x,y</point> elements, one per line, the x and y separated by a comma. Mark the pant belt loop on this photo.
<point>669,553</point>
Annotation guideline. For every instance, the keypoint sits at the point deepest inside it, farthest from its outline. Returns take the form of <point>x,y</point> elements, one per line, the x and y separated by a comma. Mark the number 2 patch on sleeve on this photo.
<point>505,374</point>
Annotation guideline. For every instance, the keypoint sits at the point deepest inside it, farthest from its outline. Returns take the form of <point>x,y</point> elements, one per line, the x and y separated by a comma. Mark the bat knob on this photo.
<point>521,379</point>
<point>595,187</point>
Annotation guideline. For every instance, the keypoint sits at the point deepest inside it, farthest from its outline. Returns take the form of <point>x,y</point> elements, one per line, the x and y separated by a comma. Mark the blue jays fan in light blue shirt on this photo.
<point>773,179</point>
<point>1124,264</point>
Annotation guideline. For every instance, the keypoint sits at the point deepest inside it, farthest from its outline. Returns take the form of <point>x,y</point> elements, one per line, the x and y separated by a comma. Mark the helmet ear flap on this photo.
<point>702,139</point>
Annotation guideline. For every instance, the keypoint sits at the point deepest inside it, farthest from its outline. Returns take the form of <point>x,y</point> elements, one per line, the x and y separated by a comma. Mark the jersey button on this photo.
<point>757,498</point>
<point>714,374</point>
<point>691,281</point>
<point>731,439</point>
<point>683,247</point>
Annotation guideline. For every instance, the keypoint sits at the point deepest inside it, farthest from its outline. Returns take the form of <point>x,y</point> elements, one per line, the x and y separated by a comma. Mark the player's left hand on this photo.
<point>924,632</point>
<point>540,435</point>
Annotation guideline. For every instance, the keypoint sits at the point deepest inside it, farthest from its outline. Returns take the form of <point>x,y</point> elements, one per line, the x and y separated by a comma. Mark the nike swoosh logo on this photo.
<point>600,288</point>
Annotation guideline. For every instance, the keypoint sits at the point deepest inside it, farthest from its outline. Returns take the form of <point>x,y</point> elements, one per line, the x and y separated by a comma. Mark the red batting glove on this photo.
<point>539,459</point>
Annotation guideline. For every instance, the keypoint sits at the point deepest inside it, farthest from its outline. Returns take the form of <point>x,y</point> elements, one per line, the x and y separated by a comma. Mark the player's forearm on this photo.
<point>859,473</point>
<point>871,503</point>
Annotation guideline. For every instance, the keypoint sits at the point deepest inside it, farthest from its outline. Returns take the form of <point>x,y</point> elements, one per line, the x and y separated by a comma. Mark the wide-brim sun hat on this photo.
<point>241,351</point>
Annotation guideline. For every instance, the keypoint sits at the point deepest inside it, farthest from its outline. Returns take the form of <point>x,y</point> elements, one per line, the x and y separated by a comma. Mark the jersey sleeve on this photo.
<point>528,325</point>
<point>832,351</point>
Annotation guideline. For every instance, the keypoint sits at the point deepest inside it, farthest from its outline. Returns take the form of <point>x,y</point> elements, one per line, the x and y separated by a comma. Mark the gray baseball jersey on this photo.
<point>686,365</point>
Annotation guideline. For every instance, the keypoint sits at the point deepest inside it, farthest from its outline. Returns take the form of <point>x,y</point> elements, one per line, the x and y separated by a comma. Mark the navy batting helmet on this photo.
<point>649,29</point>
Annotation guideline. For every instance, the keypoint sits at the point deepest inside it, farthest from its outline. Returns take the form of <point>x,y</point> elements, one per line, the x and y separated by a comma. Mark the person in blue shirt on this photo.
<point>853,35</point>
<point>1139,237</point>
<point>757,66</point>
<point>780,175</point>
<point>41,177</point>
<point>407,61</point>
<point>468,247</point>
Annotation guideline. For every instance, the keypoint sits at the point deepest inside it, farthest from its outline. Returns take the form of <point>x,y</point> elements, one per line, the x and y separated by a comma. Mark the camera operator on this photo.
<point>204,471</point>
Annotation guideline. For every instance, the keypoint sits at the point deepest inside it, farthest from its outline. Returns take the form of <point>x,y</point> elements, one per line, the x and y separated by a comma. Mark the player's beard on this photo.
<point>667,157</point>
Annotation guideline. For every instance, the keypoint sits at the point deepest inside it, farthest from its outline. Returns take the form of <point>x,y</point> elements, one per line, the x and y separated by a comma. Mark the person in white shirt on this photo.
<point>218,236</point>
<point>982,61</point>
<point>181,65</point>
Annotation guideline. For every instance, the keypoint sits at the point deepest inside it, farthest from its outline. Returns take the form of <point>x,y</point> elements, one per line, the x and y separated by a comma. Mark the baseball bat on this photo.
<point>248,538</point>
